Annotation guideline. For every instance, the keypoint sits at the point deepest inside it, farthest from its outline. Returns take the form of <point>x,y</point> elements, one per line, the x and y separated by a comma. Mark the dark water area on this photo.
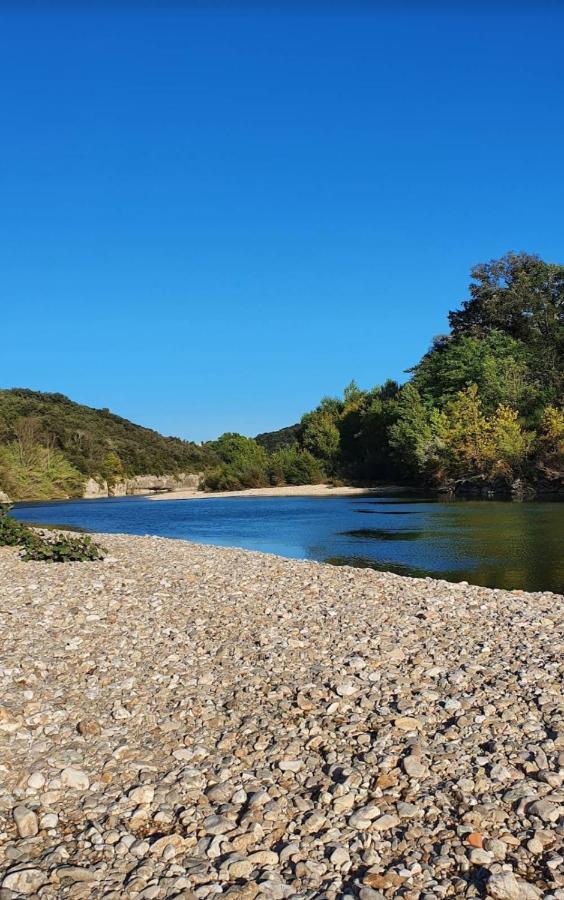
<point>491,543</point>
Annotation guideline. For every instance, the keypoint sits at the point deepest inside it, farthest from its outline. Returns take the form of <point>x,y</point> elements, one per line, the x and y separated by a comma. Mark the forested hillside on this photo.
<point>483,407</point>
<point>482,410</point>
<point>274,440</point>
<point>50,445</point>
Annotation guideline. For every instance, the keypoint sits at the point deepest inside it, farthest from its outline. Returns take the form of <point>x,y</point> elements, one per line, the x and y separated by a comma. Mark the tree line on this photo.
<point>49,447</point>
<point>482,410</point>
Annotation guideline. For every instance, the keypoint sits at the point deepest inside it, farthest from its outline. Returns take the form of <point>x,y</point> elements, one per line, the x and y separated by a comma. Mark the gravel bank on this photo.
<point>185,721</point>
<point>288,490</point>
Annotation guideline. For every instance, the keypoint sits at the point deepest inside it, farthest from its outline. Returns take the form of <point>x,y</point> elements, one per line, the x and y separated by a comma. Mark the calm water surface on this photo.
<point>505,545</point>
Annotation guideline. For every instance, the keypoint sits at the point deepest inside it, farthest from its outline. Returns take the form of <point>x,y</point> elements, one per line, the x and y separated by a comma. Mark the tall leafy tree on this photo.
<point>523,296</point>
<point>412,437</point>
<point>319,433</point>
<point>519,294</point>
<point>496,363</point>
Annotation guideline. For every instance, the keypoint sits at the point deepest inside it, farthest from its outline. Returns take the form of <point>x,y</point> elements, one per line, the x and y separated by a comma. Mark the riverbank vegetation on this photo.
<point>483,407</point>
<point>481,411</point>
<point>244,463</point>
<point>46,545</point>
<point>49,447</point>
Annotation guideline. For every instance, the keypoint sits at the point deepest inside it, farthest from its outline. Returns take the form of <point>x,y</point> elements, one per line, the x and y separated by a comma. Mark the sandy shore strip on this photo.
<point>302,490</point>
<point>189,721</point>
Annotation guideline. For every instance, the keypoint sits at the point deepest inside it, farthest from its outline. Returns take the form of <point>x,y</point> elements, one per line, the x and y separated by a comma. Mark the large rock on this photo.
<point>142,484</point>
<point>505,886</point>
<point>24,881</point>
<point>93,488</point>
<point>26,821</point>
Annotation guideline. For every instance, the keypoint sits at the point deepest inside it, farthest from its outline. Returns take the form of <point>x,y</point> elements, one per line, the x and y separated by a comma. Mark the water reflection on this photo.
<point>381,534</point>
<point>497,544</point>
<point>387,512</point>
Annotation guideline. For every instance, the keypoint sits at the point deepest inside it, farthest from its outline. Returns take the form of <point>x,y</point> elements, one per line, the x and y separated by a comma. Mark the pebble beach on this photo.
<point>190,721</point>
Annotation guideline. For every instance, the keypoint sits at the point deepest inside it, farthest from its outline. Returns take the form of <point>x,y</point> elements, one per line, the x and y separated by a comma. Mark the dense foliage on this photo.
<point>244,463</point>
<point>274,440</point>
<point>50,445</point>
<point>50,547</point>
<point>483,407</point>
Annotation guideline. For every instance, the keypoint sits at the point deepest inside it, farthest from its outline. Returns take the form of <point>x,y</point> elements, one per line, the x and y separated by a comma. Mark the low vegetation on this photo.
<point>52,546</point>
<point>50,445</point>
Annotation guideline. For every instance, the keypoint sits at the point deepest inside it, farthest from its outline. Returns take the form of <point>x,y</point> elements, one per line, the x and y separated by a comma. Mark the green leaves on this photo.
<point>12,532</point>
<point>246,464</point>
<point>53,547</point>
<point>63,548</point>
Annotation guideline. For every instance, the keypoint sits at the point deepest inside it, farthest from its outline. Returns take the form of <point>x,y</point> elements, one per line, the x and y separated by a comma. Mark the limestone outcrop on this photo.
<point>142,484</point>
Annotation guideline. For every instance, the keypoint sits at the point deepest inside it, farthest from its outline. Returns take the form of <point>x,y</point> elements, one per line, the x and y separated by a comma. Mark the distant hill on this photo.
<point>276,440</point>
<point>40,431</point>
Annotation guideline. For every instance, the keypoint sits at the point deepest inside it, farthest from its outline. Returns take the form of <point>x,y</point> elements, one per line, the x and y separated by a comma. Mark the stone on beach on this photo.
<point>26,821</point>
<point>505,886</point>
<point>188,721</point>
<point>75,778</point>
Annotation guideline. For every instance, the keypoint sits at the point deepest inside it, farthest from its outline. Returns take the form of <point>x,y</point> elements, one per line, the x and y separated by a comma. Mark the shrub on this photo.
<point>62,548</point>
<point>12,532</point>
<point>290,465</point>
<point>56,547</point>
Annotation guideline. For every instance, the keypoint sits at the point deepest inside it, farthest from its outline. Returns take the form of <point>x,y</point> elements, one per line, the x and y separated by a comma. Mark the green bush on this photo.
<point>244,464</point>
<point>56,547</point>
<point>63,548</point>
<point>12,532</point>
<point>290,465</point>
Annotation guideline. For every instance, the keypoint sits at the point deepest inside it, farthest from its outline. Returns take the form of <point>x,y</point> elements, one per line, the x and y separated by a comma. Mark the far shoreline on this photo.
<point>302,490</point>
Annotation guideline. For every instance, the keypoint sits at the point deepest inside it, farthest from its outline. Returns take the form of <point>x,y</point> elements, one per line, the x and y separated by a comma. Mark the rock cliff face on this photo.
<point>142,484</point>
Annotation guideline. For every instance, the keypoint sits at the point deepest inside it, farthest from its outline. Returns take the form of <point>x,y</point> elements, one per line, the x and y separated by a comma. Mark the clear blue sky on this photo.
<point>211,219</point>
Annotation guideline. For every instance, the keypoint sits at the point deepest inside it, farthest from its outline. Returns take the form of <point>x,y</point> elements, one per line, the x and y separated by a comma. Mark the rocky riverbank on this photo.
<point>186,721</point>
<point>142,484</point>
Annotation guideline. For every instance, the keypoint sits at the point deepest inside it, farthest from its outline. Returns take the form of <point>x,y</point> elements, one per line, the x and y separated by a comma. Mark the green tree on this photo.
<point>112,468</point>
<point>462,437</point>
<point>496,363</point>
<point>519,294</point>
<point>243,464</point>
<point>412,437</point>
<point>290,465</point>
<point>522,296</point>
<point>509,445</point>
<point>319,433</point>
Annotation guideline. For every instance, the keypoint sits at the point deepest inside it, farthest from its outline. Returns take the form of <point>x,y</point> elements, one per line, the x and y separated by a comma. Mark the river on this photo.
<point>491,543</point>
